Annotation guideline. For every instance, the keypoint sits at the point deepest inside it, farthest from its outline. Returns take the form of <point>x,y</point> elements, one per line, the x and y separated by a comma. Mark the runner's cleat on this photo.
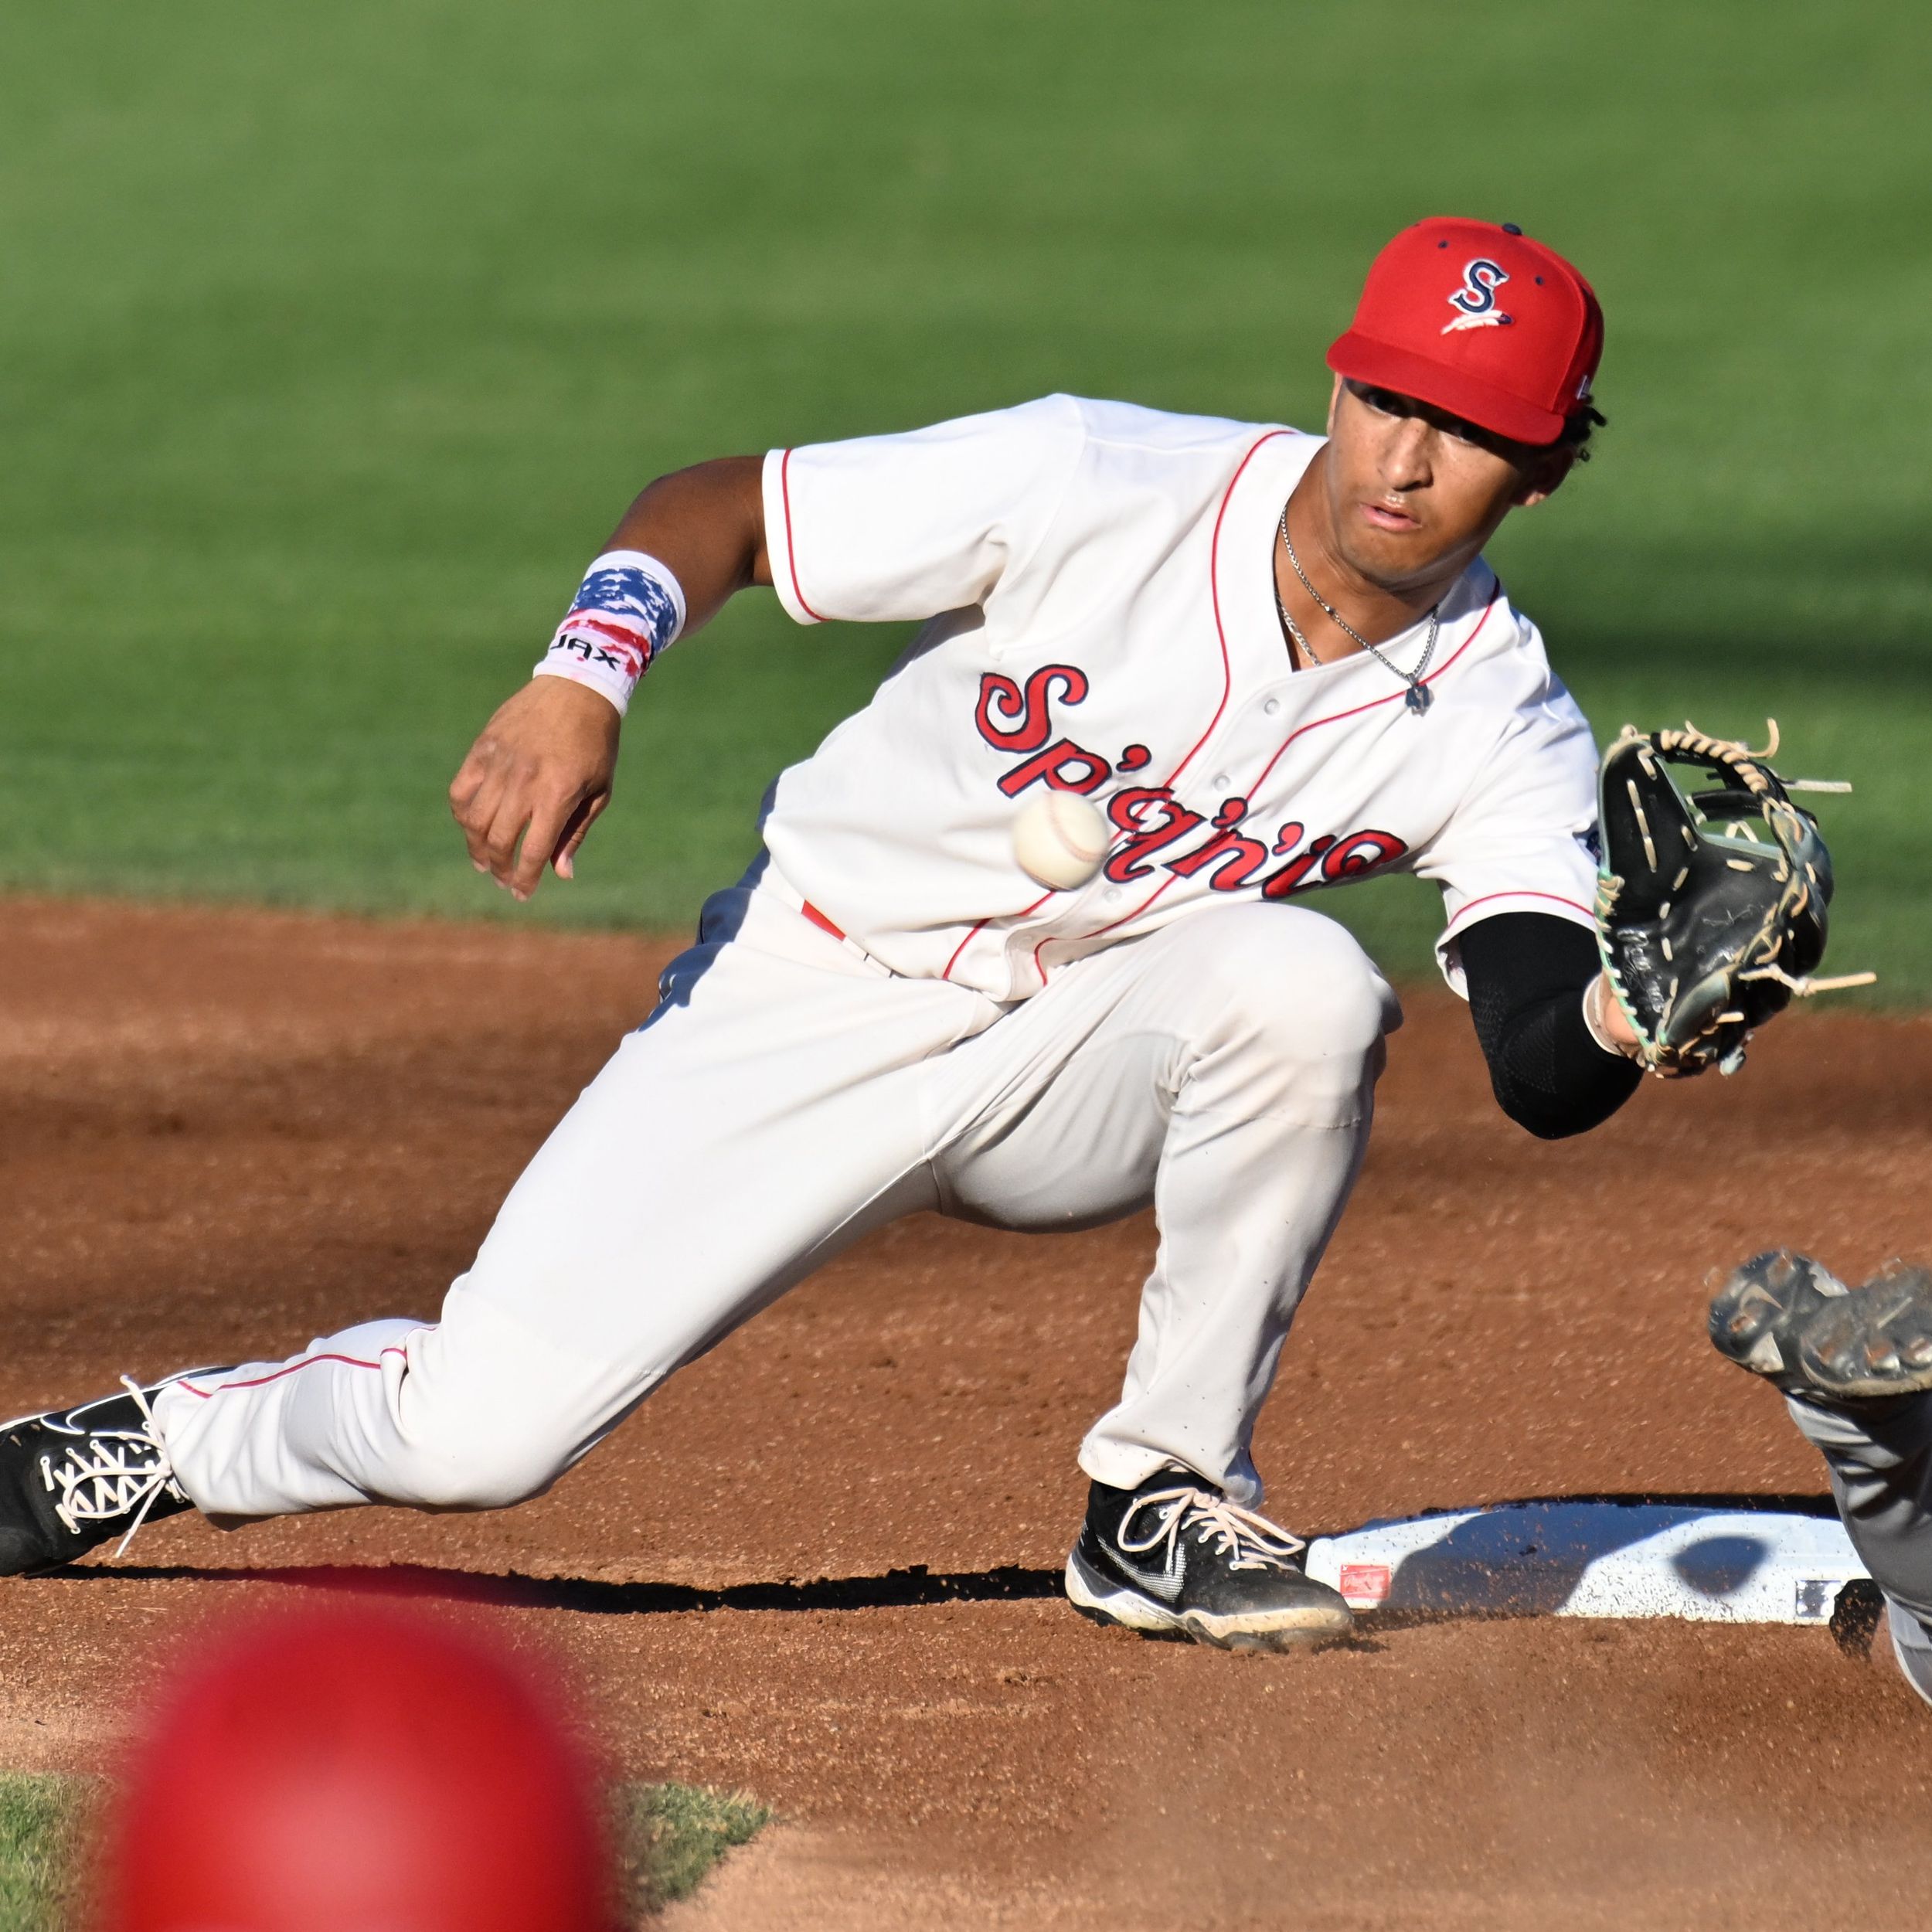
<point>1756,1315</point>
<point>1876,1341</point>
<point>74,1478</point>
<point>1175,1558</point>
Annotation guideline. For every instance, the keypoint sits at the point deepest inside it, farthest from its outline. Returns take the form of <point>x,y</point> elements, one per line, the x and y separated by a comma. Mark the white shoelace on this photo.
<point>1249,1542</point>
<point>106,1473</point>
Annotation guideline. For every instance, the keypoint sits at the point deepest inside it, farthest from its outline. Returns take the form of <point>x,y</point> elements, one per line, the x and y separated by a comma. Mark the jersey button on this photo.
<point>1112,893</point>
<point>1271,707</point>
<point>1220,781</point>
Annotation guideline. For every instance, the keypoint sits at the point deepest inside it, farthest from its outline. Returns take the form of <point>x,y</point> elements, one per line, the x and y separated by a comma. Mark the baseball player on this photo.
<point>1855,1367</point>
<point>1273,662</point>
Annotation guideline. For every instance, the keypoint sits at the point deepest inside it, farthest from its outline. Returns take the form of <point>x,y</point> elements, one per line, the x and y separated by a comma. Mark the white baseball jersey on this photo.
<point>1098,583</point>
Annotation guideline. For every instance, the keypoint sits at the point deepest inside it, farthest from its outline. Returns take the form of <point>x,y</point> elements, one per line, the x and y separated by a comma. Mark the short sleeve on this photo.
<point>1524,839</point>
<point>904,527</point>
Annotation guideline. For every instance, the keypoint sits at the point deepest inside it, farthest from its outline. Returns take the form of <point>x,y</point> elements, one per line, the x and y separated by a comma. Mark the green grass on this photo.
<point>333,339</point>
<point>672,1835</point>
<point>39,1830</point>
<point>668,1836</point>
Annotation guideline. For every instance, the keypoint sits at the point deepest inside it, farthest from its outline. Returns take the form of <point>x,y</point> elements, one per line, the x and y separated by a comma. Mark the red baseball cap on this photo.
<point>352,1767</point>
<point>1479,320</point>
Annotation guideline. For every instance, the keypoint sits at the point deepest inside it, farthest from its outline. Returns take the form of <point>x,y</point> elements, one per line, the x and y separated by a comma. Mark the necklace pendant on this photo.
<point>1419,697</point>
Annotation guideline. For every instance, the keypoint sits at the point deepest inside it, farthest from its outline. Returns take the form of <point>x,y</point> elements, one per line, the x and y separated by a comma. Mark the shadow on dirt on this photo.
<point>912,1587</point>
<point>895,1589</point>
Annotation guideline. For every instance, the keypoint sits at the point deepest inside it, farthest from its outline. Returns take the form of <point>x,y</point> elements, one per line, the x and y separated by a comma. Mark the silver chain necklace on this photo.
<point>1418,697</point>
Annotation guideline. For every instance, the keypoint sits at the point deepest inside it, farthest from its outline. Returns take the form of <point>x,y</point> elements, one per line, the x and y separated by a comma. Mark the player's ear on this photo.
<point>1334,402</point>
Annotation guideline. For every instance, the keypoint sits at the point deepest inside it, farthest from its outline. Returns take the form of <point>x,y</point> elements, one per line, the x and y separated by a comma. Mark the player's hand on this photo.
<point>535,780</point>
<point>1609,1019</point>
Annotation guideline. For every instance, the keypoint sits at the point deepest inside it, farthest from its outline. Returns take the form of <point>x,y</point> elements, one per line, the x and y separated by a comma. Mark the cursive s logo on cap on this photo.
<point>1475,301</point>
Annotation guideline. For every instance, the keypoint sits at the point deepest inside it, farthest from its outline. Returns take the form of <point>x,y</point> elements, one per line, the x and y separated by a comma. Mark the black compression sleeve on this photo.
<point>1526,973</point>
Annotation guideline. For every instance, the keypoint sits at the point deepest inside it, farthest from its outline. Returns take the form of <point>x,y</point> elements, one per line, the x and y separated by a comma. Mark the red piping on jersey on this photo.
<point>1227,688</point>
<point>972,934</point>
<point>819,920</point>
<point>288,1368</point>
<point>1214,592</point>
<point>981,926</point>
<point>1255,784</point>
<point>791,552</point>
<point>1300,730</point>
<point>1455,923</point>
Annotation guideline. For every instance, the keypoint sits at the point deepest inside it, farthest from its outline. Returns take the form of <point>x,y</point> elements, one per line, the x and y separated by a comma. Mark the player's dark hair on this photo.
<point>1577,430</point>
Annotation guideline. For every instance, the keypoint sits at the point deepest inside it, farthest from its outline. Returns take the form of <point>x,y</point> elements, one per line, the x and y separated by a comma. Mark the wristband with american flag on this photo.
<point>628,609</point>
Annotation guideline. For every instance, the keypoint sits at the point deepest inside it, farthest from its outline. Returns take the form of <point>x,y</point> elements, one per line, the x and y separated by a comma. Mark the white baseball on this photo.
<point>1059,840</point>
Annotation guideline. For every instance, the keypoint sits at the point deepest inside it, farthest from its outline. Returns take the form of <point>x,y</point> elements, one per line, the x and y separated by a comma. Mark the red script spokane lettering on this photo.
<point>1010,720</point>
<point>1149,814</point>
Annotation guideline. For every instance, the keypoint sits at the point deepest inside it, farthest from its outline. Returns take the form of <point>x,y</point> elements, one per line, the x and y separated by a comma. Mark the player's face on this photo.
<point>1414,491</point>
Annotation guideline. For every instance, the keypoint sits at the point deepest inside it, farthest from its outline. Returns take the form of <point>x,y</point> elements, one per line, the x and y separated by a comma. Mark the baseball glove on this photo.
<point>1711,903</point>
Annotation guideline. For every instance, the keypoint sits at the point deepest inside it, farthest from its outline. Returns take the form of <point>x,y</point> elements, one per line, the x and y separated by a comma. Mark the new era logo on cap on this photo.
<point>1518,368</point>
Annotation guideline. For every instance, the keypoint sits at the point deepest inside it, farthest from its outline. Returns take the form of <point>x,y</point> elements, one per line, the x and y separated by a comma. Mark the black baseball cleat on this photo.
<point>1756,1315</point>
<point>75,1477</point>
<point>1875,1341</point>
<point>1787,1319</point>
<point>1175,1558</point>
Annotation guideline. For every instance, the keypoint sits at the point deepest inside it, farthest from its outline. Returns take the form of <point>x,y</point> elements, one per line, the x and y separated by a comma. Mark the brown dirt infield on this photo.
<point>223,1133</point>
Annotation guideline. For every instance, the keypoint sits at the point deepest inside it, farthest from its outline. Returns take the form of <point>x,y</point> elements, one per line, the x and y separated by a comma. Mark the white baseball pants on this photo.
<point>789,1094</point>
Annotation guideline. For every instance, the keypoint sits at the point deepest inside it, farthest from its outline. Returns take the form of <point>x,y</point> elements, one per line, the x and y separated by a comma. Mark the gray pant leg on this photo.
<point>1879,1457</point>
<point>1912,1646</point>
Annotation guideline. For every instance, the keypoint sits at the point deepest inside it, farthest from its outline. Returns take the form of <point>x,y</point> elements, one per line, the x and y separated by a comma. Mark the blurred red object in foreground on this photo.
<point>358,1769</point>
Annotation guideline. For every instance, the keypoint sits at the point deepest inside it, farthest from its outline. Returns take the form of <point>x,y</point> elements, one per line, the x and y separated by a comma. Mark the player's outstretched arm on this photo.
<point>1526,974</point>
<point>539,773</point>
